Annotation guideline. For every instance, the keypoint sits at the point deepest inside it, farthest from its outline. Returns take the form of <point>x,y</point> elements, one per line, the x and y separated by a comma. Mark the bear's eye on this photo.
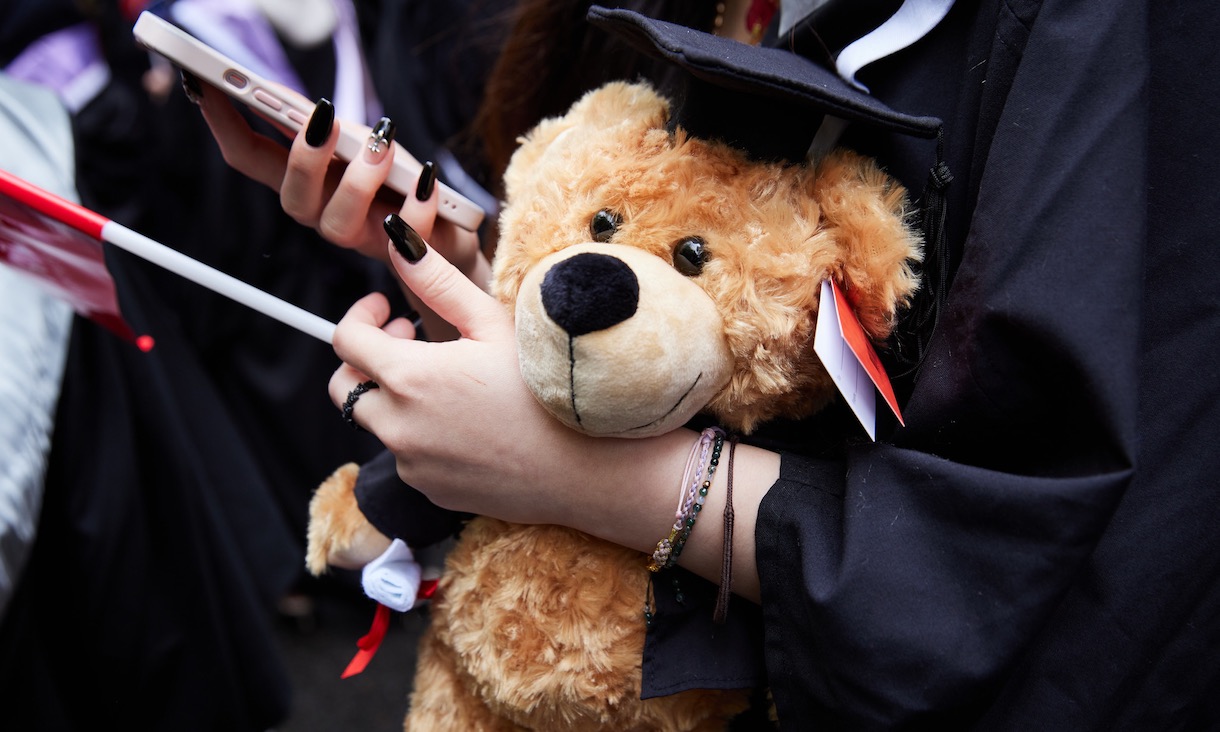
<point>604,224</point>
<point>690,254</point>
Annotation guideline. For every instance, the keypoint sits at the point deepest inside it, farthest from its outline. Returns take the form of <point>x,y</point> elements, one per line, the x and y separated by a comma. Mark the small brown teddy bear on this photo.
<point>653,276</point>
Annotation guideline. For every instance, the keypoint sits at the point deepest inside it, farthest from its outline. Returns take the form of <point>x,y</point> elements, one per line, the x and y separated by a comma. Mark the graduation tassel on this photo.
<point>724,594</point>
<point>914,334</point>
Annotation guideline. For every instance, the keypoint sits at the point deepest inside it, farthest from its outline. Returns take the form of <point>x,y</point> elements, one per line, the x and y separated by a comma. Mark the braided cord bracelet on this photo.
<point>704,456</point>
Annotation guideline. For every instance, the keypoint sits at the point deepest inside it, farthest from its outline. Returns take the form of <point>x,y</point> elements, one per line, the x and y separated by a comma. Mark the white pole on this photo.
<point>217,281</point>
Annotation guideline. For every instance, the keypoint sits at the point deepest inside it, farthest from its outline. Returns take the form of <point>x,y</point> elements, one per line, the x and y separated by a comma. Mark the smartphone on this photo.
<point>286,107</point>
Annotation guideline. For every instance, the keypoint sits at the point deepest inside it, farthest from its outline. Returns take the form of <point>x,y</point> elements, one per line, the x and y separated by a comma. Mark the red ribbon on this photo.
<point>369,644</point>
<point>371,641</point>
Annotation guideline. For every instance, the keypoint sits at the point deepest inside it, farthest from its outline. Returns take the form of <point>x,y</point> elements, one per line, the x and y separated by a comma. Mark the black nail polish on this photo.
<point>427,182</point>
<point>320,123</point>
<point>191,86</point>
<point>406,240</point>
<point>382,135</point>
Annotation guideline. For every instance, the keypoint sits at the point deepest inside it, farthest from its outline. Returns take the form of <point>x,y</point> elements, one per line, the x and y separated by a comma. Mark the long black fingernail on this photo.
<point>380,139</point>
<point>317,132</point>
<point>406,240</point>
<point>191,86</point>
<point>427,182</point>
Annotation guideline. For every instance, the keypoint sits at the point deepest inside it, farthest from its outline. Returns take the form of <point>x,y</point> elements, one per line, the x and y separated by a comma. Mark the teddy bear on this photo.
<point>654,277</point>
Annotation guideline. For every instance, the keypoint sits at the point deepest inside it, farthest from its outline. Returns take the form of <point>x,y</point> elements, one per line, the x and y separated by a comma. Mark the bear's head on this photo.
<point>654,275</point>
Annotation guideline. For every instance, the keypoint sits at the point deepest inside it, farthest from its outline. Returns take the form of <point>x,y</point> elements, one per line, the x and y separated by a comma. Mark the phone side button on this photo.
<point>297,116</point>
<point>268,99</point>
<point>235,79</point>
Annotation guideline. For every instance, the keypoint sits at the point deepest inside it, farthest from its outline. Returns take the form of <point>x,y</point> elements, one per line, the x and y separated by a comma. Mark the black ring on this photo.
<point>350,404</point>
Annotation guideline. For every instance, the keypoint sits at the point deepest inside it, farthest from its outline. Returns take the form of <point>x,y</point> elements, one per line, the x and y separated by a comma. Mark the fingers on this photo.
<point>461,247</point>
<point>254,155</point>
<point>441,286</point>
<point>401,328</point>
<point>345,384</point>
<point>345,217</point>
<point>345,204</point>
<point>302,192</point>
<point>420,209</point>
<point>361,343</point>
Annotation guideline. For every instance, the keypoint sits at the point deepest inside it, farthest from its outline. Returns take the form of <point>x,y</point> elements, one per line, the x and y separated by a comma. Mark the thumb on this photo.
<point>439,284</point>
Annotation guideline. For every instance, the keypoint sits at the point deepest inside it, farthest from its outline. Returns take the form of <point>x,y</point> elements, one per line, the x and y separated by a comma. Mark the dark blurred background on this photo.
<point>317,647</point>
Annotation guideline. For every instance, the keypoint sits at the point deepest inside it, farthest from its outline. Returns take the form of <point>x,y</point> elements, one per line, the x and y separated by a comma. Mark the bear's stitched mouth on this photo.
<point>674,408</point>
<point>572,391</point>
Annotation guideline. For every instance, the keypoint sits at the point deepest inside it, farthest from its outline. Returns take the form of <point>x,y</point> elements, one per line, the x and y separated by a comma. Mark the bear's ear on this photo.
<point>866,212</point>
<point>615,110</point>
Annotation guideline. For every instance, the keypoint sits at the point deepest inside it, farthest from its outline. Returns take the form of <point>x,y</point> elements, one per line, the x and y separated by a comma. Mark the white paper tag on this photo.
<point>849,358</point>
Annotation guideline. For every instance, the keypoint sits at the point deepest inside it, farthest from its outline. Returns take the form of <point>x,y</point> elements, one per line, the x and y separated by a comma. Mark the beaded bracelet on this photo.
<point>686,491</point>
<point>689,518</point>
<point>705,454</point>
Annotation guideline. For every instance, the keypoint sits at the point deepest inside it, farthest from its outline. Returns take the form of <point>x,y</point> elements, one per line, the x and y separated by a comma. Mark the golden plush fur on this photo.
<point>540,627</point>
<point>336,525</point>
<point>543,627</point>
<point>775,232</point>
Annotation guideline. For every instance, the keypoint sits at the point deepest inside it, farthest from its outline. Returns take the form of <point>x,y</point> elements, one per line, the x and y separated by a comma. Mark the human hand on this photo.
<point>344,203</point>
<point>464,428</point>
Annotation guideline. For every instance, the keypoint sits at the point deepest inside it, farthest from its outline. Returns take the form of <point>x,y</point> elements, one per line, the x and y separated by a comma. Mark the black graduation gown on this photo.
<point>160,549</point>
<point>1036,548</point>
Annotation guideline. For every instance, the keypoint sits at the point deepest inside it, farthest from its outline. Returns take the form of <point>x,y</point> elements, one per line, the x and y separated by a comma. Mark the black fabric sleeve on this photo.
<point>899,583</point>
<point>894,593</point>
<point>686,649</point>
<point>398,510</point>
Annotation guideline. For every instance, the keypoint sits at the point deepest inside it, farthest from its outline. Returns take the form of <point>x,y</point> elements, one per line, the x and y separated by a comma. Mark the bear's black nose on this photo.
<point>590,292</point>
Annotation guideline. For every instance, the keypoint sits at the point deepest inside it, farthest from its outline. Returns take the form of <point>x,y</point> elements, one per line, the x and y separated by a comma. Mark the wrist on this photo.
<point>631,501</point>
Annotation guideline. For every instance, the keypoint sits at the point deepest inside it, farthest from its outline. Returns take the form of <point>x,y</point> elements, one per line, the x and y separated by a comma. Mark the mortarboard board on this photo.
<point>768,101</point>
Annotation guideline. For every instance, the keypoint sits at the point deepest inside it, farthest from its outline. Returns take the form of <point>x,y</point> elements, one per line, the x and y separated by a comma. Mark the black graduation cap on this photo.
<point>768,101</point>
<point>772,101</point>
